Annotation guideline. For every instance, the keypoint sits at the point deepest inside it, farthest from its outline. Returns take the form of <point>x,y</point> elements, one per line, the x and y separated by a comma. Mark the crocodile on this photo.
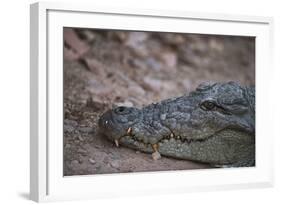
<point>214,124</point>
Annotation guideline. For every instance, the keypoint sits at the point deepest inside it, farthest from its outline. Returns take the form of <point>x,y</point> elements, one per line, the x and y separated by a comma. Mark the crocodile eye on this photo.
<point>121,110</point>
<point>207,105</point>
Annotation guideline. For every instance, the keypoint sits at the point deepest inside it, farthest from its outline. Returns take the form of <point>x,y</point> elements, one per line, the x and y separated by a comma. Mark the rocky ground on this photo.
<point>103,69</point>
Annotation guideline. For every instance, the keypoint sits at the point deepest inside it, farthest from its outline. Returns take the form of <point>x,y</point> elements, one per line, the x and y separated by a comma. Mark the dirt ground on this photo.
<point>103,69</point>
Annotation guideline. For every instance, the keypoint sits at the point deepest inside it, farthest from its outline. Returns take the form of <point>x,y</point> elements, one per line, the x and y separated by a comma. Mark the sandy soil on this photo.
<point>103,69</point>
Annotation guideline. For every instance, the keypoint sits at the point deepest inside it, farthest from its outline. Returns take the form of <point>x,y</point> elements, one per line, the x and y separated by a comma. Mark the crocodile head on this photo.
<point>213,124</point>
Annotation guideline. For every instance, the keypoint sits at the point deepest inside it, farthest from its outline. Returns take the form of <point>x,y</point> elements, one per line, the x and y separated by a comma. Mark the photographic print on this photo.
<point>138,101</point>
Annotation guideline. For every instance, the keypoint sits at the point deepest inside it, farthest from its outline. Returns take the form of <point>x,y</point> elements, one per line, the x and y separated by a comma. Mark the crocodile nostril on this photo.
<point>120,109</point>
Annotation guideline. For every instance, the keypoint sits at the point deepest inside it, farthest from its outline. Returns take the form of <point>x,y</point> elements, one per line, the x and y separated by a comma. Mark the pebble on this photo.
<point>80,138</point>
<point>67,146</point>
<point>135,41</point>
<point>82,151</point>
<point>68,128</point>
<point>75,162</point>
<point>156,155</point>
<point>154,63</point>
<point>135,89</point>
<point>86,129</point>
<point>152,83</point>
<point>70,122</point>
<point>92,161</point>
<point>115,164</point>
<point>137,152</point>
<point>169,59</point>
<point>158,85</point>
<point>88,35</point>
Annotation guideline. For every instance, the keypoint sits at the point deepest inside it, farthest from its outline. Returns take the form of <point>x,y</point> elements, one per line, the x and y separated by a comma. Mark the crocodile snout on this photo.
<point>117,122</point>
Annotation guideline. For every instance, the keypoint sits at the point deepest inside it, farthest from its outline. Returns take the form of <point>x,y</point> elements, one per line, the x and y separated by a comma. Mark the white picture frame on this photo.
<point>47,182</point>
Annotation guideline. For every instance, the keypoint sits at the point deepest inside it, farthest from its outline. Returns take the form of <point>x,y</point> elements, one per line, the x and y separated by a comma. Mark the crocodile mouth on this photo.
<point>130,140</point>
<point>171,145</point>
<point>171,137</point>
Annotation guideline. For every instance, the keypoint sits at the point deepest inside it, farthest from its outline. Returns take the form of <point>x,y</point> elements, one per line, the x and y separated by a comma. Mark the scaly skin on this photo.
<point>214,124</point>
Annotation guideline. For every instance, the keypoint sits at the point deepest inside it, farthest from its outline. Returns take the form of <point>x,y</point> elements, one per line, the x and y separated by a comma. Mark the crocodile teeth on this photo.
<point>155,155</point>
<point>116,143</point>
<point>155,147</point>
<point>171,135</point>
<point>129,131</point>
